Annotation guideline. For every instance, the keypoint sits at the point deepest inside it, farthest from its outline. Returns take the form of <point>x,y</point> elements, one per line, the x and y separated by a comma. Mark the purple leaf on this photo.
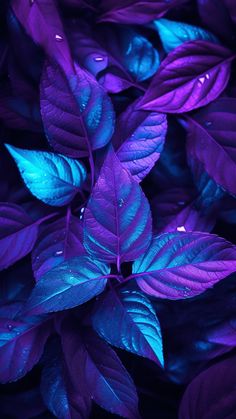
<point>191,76</point>
<point>215,16</point>
<point>21,346</point>
<point>18,234</point>
<point>27,404</point>
<point>175,209</point>
<point>136,12</point>
<point>42,22</point>
<point>212,394</point>
<point>68,285</point>
<point>76,111</point>
<point>182,265</point>
<point>117,220</point>
<point>224,334</point>
<point>57,242</point>
<point>103,376</point>
<point>139,139</point>
<point>64,401</point>
<point>212,141</point>
<point>134,325</point>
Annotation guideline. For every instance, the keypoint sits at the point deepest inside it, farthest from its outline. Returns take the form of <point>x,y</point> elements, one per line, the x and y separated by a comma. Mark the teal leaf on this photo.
<point>174,34</point>
<point>134,325</point>
<point>53,178</point>
<point>68,285</point>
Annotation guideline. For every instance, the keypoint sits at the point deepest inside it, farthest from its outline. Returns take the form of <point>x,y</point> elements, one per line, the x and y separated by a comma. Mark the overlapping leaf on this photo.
<point>53,178</point>
<point>117,220</point>
<point>182,265</point>
<point>133,326</point>
<point>191,76</point>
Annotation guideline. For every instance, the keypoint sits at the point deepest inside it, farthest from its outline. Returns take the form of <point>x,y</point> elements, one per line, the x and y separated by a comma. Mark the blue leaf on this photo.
<point>53,178</point>
<point>21,346</point>
<point>98,367</point>
<point>68,285</point>
<point>59,396</point>
<point>117,219</point>
<point>18,234</point>
<point>182,265</point>
<point>138,55</point>
<point>139,139</point>
<point>133,326</point>
<point>56,243</point>
<point>174,34</point>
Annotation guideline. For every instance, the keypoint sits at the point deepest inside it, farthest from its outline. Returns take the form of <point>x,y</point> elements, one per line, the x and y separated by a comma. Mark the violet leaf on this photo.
<point>135,326</point>
<point>41,20</point>
<point>139,139</point>
<point>70,284</point>
<point>211,138</point>
<point>102,373</point>
<point>136,12</point>
<point>53,178</point>
<point>57,242</point>
<point>211,395</point>
<point>18,234</point>
<point>182,265</point>
<point>58,393</point>
<point>21,346</point>
<point>173,34</point>
<point>117,220</point>
<point>191,76</point>
<point>80,118</point>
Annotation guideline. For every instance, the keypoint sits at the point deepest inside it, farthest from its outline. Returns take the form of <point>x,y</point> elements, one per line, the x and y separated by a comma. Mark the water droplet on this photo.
<point>58,253</point>
<point>201,80</point>
<point>98,59</point>
<point>58,38</point>
<point>181,228</point>
<point>120,202</point>
<point>207,76</point>
<point>208,123</point>
<point>9,326</point>
<point>82,210</point>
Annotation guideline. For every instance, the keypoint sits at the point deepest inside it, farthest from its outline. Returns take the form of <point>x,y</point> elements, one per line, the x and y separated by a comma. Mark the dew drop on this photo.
<point>208,123</point>
<point>59,253</point>
<point>201,80</point>
<point>207,76</point>
<point>82,210</point>
<point>58,38</point>
<point>9,326</point>
<point>181,228</point>
<point>98,59</point>
<point>120,202</point>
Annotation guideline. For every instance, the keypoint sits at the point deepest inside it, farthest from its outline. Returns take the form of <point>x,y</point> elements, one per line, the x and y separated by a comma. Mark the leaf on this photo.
<point>224,334</point>
<point>132,51</point>
<point>42,22</point>
<point>133,326</point>
<point>136,12</point>
<point>191,76</point>
<point>27,404</point>
<point>72,283</point>
<point>21,346</point>
<point>173,34</point>
<point>98,367</point>
<point>58,393</point>
<point>176,210</point>
<point>53,178</point>
<point>139,139</point>
<point>211,395</point>
<point>182,265</point>
<point>18,234</point>
<point>57,242</point>
<point>211,141</point>
<point>215,16</point>
<point>77,113</point>
<point>230,4</point>
<point>117,220</point>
